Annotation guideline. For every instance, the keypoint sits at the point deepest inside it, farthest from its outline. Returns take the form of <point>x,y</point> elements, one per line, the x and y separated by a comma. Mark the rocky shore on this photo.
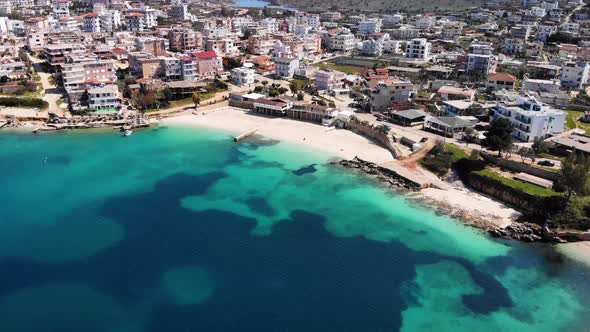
<point>521,231</point>
<point>384,175</point>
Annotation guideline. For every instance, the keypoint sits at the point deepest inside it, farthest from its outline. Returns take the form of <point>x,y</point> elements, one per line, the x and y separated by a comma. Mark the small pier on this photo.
<point>245,135</point>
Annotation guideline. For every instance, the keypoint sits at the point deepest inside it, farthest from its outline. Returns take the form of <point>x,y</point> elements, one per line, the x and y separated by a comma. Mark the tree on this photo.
<point>499,135</point>
<point>575,175</point>
<point>300,96</point>
<point>196,99</point>
<point>282,90</point>
<point>525,153</point>
<point>469,135</point>
<point>264,83</point>
<point>294,87</point>
<point>540,146</point>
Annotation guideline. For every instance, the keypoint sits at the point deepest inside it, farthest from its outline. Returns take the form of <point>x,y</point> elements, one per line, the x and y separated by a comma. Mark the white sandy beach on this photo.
<point>579,251</point>
<point>473,203</point>
<point>337,142</point>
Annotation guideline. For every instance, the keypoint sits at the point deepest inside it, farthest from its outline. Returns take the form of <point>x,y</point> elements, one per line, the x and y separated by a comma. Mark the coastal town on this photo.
<point>483,110</point>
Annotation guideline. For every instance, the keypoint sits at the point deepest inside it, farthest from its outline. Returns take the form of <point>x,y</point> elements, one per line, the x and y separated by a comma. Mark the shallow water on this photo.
<point>180,229</point>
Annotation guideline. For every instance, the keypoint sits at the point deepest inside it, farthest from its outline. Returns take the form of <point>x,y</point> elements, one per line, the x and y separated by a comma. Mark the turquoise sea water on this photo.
<point>180,229</point>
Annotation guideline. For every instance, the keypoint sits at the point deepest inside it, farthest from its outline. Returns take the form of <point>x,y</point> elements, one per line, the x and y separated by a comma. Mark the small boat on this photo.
<point>127,133</point>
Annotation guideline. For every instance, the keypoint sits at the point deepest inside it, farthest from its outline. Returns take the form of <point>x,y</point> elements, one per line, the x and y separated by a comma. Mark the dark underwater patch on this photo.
<point>305,170</point>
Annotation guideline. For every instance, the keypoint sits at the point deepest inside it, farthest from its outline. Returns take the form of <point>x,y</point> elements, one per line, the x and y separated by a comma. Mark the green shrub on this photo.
<point>23,102</point>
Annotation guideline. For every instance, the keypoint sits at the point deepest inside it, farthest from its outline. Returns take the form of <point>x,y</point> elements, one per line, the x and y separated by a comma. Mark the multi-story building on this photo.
<point>286,67</point>
<point>392,46</point>
<point>91,22</point>
<point>325,80</point>
<point>343,41</point>
<point>105,97</point>
<point>574,75</point>
<point>514,46</point>
<point>81,70</point>
<point>369,26</point>
<point>36,39</point>
<point>153,45</point>
<point>5,8</point>
<point>55,54</point>
<point>520,31</point>
<point>243,75</point>
<point>373,47</point>
<point>222,46</point>
<point>330,16</point>
<point>207,65</point>
<point>110,21</point>
<point>499,81</point>
<point>185,40</point>
<point>531,119</point>
<point>418,48</point>
<point>179,12</point>
<point>189,68</point>
<point>149,16</point>
<point>61,8</point>
<point>170,68</point>
<point>260,45</point>
<point>391,91</point>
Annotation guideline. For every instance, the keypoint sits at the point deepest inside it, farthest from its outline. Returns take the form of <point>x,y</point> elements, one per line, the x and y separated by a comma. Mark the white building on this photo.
<point>513,46</point>
<point>392,46</point>
<point>418,48</point>
<point>373,47</point>
<point>285,67</point>
<point>325,80</point>
<point>243,75</point>
<point>393,19</point>
<point>574,75</point>
<point>5,8</point>
<point>535,85</point>
<point>107,97</point>
<point>531,119</point>
<point>370,26</point>
<point>344,41</point>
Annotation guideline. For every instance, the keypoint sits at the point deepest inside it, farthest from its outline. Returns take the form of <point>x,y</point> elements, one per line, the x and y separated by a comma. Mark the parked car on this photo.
<point>547,163</point>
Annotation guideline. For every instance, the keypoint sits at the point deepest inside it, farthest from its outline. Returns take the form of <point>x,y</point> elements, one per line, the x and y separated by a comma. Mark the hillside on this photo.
<point>381,5</point>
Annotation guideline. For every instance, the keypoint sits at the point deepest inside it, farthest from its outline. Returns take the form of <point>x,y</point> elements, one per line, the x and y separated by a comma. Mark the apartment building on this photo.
<point>574,75</point>
<point>92,22</point>
<point>80,70</point>
<point>286,67</point>
<point>391,91</point>
<point>184,40</point>
<point>207,65</point>
<point>531,119</point>
<point>104,97</point>
<point>418,48</point>
<point>243,75</point>
<point>55,54</point>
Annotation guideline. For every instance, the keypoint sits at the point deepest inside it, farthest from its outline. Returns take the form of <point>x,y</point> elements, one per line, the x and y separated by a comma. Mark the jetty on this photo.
<point>245,135</point>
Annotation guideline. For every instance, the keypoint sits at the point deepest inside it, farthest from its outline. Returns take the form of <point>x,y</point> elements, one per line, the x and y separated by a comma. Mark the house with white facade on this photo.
<point>285,67</point>
<point>574,75</point>
<point>531,119</point>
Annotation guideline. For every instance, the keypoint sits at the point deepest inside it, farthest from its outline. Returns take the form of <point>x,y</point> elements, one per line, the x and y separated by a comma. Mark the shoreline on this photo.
<point>339,143</point>
<point>346,145</point>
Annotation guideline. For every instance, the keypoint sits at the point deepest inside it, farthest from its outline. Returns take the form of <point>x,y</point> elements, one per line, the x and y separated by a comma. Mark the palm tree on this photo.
<point>196,99</point>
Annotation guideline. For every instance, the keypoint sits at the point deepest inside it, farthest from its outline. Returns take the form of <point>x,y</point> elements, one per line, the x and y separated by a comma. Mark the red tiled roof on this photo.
<point>135,14</point>
<point>119,50</point>
<point>186,58</point>
<point>502,77</point>
<point>205,55</point>
<point>91,15</point>
<point>270,102</point>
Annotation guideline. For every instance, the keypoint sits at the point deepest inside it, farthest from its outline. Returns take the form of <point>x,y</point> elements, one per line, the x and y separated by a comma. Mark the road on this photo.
<point>51,92</point>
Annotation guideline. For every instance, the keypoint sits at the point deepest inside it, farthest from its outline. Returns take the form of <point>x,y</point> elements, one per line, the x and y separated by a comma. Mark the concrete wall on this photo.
<point>521,167</point>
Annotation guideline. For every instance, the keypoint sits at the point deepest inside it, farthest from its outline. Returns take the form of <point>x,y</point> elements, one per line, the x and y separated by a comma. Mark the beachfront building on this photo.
<point>447,126</point>
<point>243,75</point>
<point>273,107</point>
<point>104,98</point>
<point>389,92</point>
<point>531,119</point>
<point>208,65</point>
<point>79,71</point>
<point>325,80</point>
<point>418,48</point>
<point>286,67</point>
